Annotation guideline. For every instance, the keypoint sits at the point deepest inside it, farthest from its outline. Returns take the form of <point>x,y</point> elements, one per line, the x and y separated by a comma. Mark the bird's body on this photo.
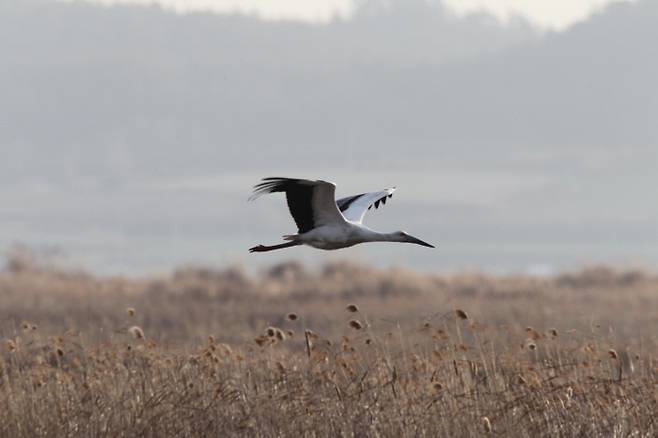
<point>337,236</point>
<point>324,222</point>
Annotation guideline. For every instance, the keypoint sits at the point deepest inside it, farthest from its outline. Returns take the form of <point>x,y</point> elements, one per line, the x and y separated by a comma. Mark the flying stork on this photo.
<point>324,222</point>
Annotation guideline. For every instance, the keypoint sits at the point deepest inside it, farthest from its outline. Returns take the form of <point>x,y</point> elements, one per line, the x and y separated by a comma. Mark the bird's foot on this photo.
<point>259,248</point>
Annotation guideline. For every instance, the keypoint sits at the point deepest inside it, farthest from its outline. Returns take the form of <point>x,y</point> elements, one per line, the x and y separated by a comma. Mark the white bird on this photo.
<point>324,222</point>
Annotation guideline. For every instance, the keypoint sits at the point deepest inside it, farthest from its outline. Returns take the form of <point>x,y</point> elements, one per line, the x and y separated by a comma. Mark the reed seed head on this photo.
<point>11,345</point>
<point>356,324</point>
<point>532,333</point>
<point>461,314</point>
<point>136,332</point>
<point>262,340</point>
<point>292,317</point>
<point>486,424</point>
<point>613,354</point>
<point>352,308</point>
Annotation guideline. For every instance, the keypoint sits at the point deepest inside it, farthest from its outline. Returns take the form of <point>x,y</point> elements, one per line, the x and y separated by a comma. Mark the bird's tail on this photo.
<point>291,237</point>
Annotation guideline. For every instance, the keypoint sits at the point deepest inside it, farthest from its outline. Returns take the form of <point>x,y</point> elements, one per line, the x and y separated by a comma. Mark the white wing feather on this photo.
<point>359,207</point>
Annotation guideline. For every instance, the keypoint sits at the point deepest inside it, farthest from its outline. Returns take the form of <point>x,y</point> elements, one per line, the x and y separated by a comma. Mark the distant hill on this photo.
<point>137,87</point>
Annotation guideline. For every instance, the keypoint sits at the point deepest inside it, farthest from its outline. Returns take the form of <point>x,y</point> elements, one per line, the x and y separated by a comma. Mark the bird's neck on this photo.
<point>376,236</point>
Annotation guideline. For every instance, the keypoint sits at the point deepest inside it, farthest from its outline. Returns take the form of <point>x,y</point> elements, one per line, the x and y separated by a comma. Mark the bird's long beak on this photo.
<point>412,239</point>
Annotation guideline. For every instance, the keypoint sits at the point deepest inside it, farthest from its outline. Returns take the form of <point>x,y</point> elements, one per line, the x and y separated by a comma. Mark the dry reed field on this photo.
<point>344,350</point>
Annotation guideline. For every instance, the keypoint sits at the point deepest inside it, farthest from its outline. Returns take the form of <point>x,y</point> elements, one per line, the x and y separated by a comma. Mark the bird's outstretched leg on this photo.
<point>263,248</point>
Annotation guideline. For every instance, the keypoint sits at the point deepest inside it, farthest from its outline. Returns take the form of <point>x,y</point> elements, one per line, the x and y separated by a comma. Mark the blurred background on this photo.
<point>522,136</point>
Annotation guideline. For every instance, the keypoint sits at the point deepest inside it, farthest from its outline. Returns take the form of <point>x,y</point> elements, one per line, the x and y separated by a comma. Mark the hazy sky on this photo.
<point>555,14</point>
<point>131,136</point>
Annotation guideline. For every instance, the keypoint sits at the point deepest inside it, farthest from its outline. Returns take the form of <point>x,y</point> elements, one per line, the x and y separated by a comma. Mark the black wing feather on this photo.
<point>298,195</point>
<point>344,203</point>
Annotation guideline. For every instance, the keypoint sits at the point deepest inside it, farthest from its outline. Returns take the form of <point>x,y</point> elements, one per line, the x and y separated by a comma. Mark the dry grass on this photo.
<point>347,351</point>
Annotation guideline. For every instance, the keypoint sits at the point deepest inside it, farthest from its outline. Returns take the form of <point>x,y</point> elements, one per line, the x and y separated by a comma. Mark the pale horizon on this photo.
<point>546,14</point>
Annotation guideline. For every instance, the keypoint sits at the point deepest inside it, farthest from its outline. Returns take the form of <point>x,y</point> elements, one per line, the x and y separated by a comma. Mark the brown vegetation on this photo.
<point>344,351</point>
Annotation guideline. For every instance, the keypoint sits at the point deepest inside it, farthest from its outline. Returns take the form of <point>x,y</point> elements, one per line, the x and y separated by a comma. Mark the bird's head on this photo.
<point>402,236</point>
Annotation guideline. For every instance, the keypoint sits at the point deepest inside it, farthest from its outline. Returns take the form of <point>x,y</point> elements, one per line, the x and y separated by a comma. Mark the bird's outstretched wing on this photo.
<point>311,203</point>
<point>354,208</point>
